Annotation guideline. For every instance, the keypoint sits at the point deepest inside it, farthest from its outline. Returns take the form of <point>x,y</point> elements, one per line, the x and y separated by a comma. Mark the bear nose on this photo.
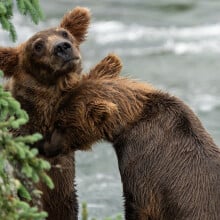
<point>63,50</point>
<point>62,47</point>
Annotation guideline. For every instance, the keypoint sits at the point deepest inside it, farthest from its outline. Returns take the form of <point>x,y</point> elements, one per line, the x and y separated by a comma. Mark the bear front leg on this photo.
<point>67,209</point>
<point>131,209</point>
<point>139,210</point>
<point>61,202</point>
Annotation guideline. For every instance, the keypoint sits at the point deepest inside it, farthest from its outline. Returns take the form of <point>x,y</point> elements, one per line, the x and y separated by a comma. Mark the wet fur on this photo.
<point>169,164</point>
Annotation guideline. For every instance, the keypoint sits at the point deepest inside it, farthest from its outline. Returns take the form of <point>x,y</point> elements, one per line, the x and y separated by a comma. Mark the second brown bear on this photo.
<point>169,164</point>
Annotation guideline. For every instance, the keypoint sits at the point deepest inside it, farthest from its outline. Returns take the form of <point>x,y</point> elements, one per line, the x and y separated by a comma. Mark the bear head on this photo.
<point>49,54</point>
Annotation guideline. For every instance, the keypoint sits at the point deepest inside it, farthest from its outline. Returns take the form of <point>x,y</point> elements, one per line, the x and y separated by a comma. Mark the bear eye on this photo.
<point>38,47</point>
<point>64,34</point>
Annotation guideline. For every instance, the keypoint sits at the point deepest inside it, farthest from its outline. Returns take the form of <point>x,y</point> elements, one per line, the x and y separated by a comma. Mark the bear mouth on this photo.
<point>70,65</point>
<point>74,60</point>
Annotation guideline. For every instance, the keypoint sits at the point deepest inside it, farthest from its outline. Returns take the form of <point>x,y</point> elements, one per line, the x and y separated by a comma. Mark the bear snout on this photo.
<point>64,51</point>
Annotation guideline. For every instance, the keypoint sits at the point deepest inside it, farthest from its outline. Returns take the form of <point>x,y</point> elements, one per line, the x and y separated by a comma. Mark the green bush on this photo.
<point>20,169</point>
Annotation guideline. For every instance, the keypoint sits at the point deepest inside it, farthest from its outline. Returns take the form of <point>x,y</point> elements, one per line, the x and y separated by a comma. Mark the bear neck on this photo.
<point>62,84</point>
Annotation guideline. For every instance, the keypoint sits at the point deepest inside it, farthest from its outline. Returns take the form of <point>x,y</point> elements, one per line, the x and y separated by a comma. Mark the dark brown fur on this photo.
<point>41,71</point>
<point>169,164</point>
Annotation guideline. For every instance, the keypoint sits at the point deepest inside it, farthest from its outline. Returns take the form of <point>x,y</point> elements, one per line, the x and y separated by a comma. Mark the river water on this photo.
<point>173,44</point>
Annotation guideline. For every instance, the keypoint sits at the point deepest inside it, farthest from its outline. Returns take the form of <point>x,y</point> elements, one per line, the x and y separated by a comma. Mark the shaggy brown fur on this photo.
<point>169,164</point>
<point>41,71</point>
<point>106,69</point>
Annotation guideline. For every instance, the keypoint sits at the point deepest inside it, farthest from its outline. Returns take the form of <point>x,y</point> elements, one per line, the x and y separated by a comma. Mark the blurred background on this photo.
<point>172,44</point>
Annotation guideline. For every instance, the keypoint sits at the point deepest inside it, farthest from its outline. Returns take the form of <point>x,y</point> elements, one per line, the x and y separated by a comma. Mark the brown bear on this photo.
<point>169,164</point>
<point>40,71</point>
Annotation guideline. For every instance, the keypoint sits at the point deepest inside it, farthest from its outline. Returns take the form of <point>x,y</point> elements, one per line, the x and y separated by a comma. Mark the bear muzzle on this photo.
<point>64,51</point>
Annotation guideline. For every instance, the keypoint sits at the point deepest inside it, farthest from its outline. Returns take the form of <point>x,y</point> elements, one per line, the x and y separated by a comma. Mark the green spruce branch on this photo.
<point>20,169</point>
<point>25,7</point>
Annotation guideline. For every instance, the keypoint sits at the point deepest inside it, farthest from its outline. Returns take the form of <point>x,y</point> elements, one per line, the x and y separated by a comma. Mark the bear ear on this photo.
<point>109,67</point>
<point>77,22</point>
<point>100,111</point>
<point>9,60</point>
